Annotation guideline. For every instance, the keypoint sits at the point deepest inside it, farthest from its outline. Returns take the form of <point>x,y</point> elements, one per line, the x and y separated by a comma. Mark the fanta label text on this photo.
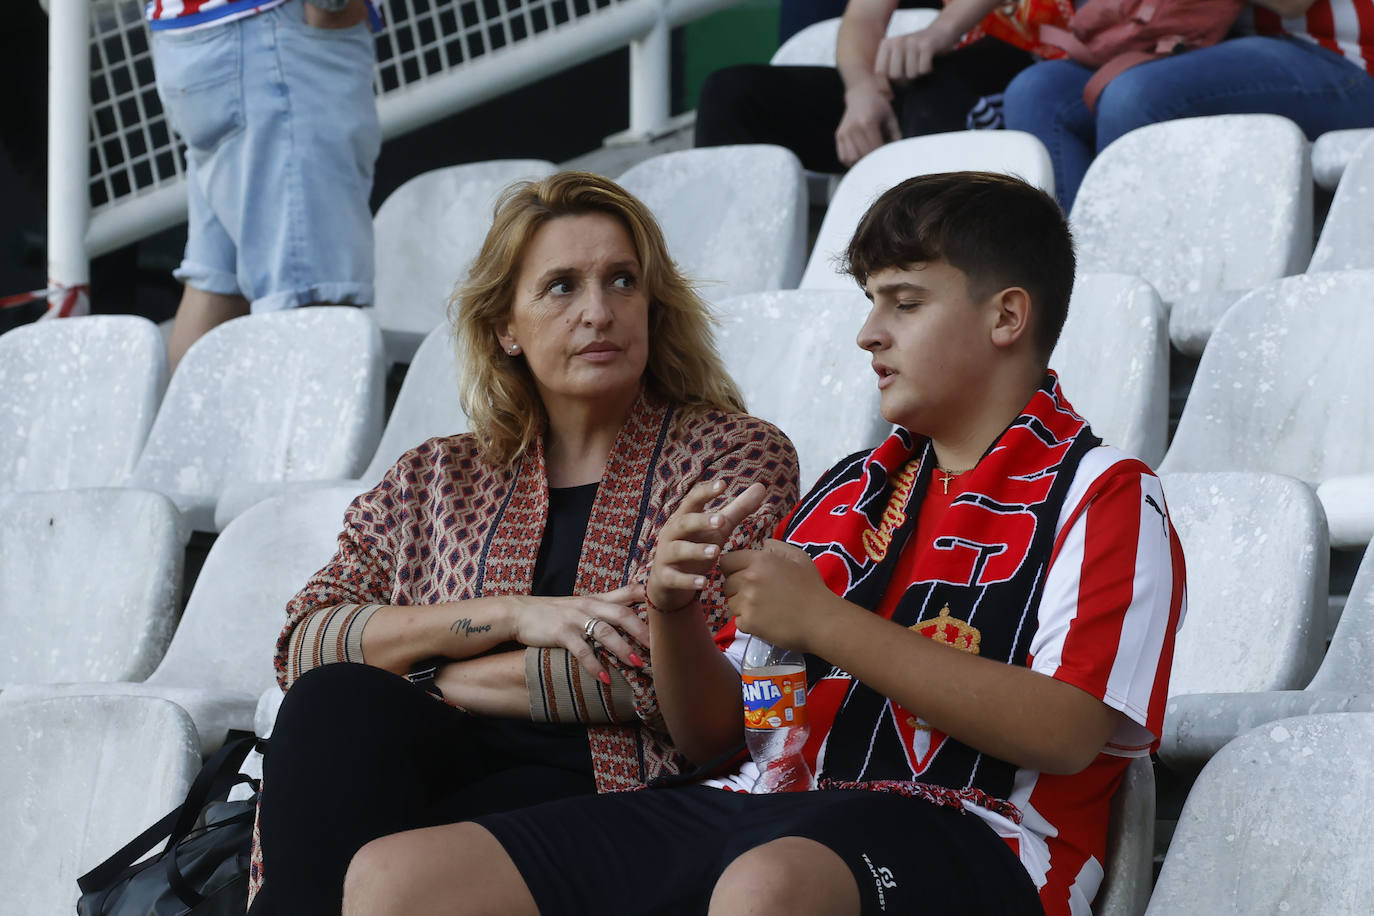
<point>774,700</point>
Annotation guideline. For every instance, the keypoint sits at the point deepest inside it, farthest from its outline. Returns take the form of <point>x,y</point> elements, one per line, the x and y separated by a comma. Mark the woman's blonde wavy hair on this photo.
<point>497,391</point>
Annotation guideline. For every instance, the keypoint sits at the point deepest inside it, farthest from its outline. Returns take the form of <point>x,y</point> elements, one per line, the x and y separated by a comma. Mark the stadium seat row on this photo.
<point>1267,826</point>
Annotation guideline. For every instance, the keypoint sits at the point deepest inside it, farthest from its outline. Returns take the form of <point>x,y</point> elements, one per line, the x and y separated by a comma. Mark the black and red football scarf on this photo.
<point>976,586</point>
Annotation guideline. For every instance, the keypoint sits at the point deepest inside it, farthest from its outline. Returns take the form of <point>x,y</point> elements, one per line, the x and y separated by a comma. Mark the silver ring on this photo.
<point>589,626</point>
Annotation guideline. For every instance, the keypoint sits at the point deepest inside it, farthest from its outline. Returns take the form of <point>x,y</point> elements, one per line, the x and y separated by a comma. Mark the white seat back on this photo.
<point>814,46</point>
<point>1256,552</point>
<point>1006,151</point>
<point>792,353</point>
<point>427,405</point>
<point>229,630</point>
<point>1275,823</point>
<point>1348,666</point>
<point>1198,207</point>
<point>1113,360</point>
<point>90,582</point>
<point>294,395</point>
<point>1347,239</point>
<point>1286,384</point>
<point>428,231</point>
<point>1332,152</point>
<point>734,217</point>
<point>1129,869</point>
<point>77,398</point>
<point>82,777</point>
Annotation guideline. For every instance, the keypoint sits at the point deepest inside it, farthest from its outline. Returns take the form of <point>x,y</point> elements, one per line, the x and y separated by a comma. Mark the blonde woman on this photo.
<point>478,643</point>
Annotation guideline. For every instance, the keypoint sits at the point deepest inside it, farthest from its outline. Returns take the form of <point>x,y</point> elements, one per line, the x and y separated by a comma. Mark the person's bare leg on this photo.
<point>198,312</point>
<point>791,875</point>
<point>453,869</point>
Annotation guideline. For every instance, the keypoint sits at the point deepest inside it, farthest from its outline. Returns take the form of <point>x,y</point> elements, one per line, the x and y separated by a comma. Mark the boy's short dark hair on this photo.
<point>1000,231</point>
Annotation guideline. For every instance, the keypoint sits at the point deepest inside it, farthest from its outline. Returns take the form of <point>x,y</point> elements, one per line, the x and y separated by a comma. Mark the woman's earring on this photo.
<point>514,349</point>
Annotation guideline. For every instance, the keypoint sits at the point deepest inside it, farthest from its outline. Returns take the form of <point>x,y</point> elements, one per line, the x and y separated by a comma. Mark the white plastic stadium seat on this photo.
<point>814,46</point>
<point>1129,869</point>
<point>1349,502</point>
<point>427,232</point>
<point>1287,385</point>
<point>1276,823</point>
<point>82,777</point>
<point>778,344</point>
<point>77,398</point>
<point>294,395</point>
<point>90,584</point>
<point>1113,359</point>
<point>1202,208</point>
<point>1347,239</point>
<point>1255,546</point>
<point>1010,152</point>
<point>1332,152</point>
<point>1198,725</point>
<point>220,660</point>
<point>427,406</point>
<point>734,217</point>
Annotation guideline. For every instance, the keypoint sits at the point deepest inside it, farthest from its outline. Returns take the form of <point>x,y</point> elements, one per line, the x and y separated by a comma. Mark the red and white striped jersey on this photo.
<point>1113,599</point>
<point>197,14</point>
<point>1343,26</point>
<point>189,14</point>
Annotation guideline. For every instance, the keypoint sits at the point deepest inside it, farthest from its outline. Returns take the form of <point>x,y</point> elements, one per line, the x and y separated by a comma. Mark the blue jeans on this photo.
<point>282,136</point>
<point>1316,88</point>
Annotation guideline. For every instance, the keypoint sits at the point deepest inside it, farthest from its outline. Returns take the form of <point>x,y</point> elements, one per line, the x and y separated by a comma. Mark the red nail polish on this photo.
<point>604,678</point>
<point>636,660</point>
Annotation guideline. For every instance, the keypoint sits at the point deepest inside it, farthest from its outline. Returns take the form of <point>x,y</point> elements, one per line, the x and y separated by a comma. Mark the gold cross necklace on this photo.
<point>947,476</point>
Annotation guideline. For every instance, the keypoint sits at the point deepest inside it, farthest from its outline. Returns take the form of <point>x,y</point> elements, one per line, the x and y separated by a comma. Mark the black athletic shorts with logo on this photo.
<point>661,851</point>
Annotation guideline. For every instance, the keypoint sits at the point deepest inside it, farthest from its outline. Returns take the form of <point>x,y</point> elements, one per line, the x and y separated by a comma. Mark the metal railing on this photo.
<point>116,168</point>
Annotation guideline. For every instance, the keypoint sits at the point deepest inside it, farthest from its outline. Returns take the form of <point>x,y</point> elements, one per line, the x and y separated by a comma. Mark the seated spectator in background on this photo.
<point>1311,61</point>
<point>500,569</point>
<point>274,100</point>
<point>987,601</point>
<point>882,89</point>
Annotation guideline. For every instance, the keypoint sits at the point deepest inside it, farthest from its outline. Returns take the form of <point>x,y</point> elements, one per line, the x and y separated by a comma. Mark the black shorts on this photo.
<point>661,850</point>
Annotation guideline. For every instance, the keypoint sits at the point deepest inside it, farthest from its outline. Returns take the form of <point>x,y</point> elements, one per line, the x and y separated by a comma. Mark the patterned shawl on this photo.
<point>443,525</point>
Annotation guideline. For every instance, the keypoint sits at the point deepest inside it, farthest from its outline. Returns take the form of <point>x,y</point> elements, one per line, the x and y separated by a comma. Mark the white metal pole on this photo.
<point>68,198</point>
<point>651,78</point>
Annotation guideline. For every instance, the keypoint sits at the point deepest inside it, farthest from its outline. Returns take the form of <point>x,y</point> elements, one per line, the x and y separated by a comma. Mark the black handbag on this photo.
<point>203,870</point>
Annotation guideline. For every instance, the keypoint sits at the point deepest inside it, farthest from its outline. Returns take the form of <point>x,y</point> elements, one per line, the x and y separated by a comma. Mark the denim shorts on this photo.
<point>282,134</point>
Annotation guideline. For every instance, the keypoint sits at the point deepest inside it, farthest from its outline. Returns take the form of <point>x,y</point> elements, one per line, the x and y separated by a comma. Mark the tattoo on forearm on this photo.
<point>465,627</point>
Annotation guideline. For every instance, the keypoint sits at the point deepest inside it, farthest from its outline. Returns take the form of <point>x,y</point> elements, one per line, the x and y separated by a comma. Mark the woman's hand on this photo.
<point>690,543</point>
<point>543,623</point>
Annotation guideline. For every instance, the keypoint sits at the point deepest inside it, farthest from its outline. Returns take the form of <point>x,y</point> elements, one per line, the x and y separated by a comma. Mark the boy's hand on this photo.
<point>690,543</point>
<point>776,593</point>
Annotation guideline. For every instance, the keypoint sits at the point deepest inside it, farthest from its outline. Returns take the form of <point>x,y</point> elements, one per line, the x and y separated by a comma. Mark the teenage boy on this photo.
<point>988,603</point>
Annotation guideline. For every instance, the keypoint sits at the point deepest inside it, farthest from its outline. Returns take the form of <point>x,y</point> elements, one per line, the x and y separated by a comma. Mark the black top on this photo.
<point>554,744</point>
<point>555,568</point>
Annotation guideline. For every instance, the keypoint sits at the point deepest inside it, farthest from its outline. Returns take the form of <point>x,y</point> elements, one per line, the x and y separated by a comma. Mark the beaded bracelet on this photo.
<point>696,597</point>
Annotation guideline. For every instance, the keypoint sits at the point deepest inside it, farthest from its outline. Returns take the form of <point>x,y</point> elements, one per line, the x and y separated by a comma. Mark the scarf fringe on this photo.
<point>936,795</point>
